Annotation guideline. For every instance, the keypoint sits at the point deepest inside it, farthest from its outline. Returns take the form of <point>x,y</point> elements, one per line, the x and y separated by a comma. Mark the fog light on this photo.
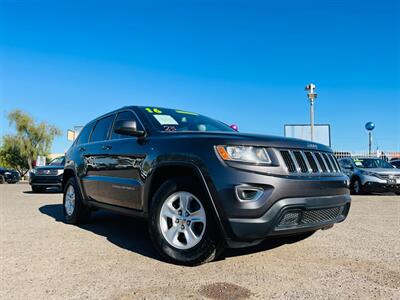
<point>248,193</point>
<point>290,218</point>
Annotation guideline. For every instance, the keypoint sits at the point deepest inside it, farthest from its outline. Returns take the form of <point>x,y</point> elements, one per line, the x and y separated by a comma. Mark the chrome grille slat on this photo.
<point>309,161</point>
<point>321,162</point>
<point>317,162</point>
<point>288,161</point>
<point>300,161</point>
<point>332,159</point>
<point>312,161</point>
<point>327,162</point>
<point>295,161</point>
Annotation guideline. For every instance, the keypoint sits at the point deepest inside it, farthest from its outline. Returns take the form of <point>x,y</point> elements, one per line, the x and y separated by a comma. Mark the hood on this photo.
<point>10,170</point>
<point>383,171</point>
<point>50,167</point>
<point>237,138</point>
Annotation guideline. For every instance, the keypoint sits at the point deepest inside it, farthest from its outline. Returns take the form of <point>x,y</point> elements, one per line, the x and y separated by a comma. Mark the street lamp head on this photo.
<point>310,88</point>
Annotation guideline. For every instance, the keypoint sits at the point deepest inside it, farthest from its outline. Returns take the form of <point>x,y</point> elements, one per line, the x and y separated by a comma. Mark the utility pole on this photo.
<point>311,95</point>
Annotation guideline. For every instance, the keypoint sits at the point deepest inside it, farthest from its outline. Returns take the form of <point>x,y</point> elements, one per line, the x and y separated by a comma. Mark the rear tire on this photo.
<point>2,180</point>
<point>182,224</point>
<point>75,211</point>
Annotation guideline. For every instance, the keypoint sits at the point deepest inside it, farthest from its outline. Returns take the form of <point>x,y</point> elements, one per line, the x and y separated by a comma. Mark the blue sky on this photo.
<point>244,62</point>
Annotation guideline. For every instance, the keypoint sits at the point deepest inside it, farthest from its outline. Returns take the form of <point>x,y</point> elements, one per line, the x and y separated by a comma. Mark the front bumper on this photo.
<point>383,187</point>
<point>292,216</point>
<point>249,222</point>
<point>45,180</point>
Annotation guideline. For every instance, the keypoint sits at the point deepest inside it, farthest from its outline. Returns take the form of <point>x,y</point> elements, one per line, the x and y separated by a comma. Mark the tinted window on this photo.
<point>101,129</point>
<point>371,163</point>
<point>59,161</point>
<point>396,164</point>
<point>125,116</point>
<point>84,135</point>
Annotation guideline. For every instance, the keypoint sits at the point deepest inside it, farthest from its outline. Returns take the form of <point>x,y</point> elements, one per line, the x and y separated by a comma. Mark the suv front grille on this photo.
<point>308,162</point>
<point>47,172</point>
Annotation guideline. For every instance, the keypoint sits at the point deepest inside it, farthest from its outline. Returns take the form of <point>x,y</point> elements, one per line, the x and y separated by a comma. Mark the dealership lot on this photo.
<point>112,257</point>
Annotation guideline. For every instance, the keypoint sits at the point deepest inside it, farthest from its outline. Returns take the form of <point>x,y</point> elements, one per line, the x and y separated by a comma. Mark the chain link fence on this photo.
<point>386,155</point>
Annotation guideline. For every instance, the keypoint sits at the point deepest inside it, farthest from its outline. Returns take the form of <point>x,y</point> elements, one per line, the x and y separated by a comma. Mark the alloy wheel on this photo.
<point>69,202</point>
<point>182,220</point>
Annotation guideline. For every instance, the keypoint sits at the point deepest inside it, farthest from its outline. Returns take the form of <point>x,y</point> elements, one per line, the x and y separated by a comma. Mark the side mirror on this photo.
<point>234,127</point>
<point>127,128</point>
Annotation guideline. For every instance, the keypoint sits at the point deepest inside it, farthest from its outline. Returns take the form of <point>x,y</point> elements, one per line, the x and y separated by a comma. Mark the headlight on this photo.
<point>33,171</point>
<point>7,173</point>
<point>368,173</point>
<point>59,172</point>
<point>245,154</point>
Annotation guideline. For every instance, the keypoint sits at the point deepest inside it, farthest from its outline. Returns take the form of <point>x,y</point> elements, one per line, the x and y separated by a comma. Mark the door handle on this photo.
<point>106,147</point>
<point>82,149</point>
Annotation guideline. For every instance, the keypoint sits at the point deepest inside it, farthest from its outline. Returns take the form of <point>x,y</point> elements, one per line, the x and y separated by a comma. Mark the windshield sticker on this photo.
<point>165,120</point>
<point>358,163</point>
<point>186,113</point>
<point>169,128</point>
<point>153,110</point>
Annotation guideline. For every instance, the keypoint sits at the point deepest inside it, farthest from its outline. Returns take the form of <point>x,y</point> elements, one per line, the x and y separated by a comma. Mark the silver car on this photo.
<point>371,175</point>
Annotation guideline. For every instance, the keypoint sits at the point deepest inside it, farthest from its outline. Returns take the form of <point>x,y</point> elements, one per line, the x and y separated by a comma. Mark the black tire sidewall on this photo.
<point>38,189</point>
<point>360,192</point>
<point>206,249</point>
<point>80,212</point>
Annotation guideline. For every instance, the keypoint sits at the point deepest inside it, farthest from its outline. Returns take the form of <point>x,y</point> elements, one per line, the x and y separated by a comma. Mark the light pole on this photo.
<point>311,95</point>
<point>370,126</point>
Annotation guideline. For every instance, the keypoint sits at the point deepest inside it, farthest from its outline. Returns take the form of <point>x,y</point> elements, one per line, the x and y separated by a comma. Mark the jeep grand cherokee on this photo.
<point>201,185</point>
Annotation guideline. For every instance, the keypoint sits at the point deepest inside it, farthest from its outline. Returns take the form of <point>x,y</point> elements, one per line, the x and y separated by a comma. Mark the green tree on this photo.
<point>30,140</point>
<point>11,155</point>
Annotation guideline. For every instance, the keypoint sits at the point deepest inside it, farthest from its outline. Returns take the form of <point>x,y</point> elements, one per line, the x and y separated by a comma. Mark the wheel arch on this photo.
<point>71,173</point>
<point>165,171</point>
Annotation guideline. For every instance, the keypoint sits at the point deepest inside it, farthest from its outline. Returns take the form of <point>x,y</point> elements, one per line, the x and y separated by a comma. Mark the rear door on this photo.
<point>82,148</point>
<point>96,158</point>
<point>120,182</point>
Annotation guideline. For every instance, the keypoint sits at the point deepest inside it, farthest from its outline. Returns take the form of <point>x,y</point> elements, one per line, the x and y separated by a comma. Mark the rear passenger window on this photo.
<point>125,116</point>
<point>100,132</point>
<point>84,135</point>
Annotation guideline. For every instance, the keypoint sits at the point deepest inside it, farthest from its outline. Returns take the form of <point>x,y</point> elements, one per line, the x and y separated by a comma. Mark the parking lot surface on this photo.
<point>111,257</point>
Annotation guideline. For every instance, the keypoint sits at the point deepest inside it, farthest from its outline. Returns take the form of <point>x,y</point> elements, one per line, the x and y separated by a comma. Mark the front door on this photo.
<point>119,178</point>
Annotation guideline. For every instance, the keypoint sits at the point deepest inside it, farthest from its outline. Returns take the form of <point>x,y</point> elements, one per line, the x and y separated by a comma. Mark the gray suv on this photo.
<point>201,185</point>
<point>371,175</point>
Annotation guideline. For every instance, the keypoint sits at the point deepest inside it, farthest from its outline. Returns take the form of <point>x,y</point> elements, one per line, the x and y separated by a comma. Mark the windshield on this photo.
<point>59,161</point>
<point>371,163</point>
<point>171,120</point>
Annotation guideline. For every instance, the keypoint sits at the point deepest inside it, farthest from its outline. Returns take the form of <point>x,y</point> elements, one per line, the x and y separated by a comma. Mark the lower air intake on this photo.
<point>309,217</point>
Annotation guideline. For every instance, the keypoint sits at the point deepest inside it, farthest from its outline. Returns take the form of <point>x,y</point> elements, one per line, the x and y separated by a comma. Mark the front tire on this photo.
<point>75,211</point>
<point>356,187</point>
<point>181,224</point>
<point>38,189</point>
